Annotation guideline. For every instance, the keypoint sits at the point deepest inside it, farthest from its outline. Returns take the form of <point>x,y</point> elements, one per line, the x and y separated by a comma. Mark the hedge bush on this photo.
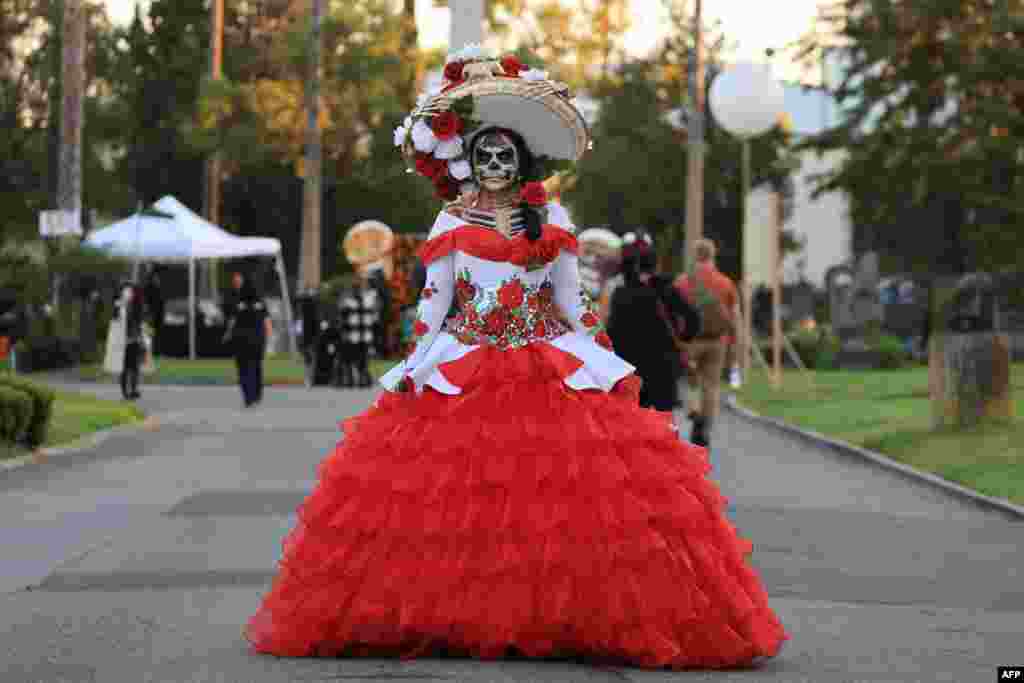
<point>817,348</point>
<point>15,414</point>
<point>892,351</point>
<point>42,407</point>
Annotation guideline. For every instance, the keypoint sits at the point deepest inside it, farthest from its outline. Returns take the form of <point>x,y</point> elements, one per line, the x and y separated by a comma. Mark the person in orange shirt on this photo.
<point>716,297</point>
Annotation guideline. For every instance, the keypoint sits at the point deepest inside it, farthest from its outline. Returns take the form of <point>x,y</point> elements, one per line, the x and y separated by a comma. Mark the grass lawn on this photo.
<point>888,411</point>
<point>278,369</point>
<point>77,415</point>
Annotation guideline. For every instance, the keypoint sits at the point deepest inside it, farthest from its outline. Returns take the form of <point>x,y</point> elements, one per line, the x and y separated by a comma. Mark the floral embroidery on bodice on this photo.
<point>490,293</point>
<point>508,314</point>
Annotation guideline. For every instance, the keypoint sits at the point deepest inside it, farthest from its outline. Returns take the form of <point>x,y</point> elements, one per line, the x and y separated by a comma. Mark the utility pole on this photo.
<point>309,267</point>
<point>69,179</point>
<point>695,148</point>
<point>213,164</point>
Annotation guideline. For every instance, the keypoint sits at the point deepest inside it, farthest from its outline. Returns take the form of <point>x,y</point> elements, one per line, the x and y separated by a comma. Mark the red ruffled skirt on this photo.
<point>519,517</point>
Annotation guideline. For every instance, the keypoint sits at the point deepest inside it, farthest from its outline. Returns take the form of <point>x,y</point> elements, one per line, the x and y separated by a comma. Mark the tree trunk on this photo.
<point>969,378</point>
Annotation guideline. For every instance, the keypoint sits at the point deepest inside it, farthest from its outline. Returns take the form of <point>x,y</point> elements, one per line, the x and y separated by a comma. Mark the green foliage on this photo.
<point>15,414</point>
<point>636,173</point>
<point>40,410</point>
<point>893,354</point>
<point>932,96</point>
<point>817,348</point>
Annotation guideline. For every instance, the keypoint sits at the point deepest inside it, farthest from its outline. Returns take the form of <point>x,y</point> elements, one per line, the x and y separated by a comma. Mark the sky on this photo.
<point>752,25</point>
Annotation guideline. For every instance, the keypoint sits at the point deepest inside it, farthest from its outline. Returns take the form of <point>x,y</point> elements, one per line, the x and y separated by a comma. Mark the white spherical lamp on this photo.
<point>746,100</point>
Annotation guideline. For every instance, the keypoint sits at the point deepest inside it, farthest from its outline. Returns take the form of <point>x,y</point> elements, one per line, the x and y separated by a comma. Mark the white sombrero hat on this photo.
<point>482,92</point>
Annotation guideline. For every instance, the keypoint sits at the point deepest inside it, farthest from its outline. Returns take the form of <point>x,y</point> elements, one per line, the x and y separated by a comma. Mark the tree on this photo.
<point>636,173</point>
<point>161,69</point>
<point>933,93</point>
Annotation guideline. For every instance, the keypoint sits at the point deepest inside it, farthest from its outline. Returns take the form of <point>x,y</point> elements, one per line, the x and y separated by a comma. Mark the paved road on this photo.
<point>141,562</point>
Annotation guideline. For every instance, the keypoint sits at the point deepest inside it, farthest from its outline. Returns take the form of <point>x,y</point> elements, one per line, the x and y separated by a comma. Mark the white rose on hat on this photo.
<point>460,169</point>
<point>423,138</point>
<point>449,149</point>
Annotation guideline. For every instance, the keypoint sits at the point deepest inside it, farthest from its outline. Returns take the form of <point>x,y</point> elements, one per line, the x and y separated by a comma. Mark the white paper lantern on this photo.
<point>746,100</point>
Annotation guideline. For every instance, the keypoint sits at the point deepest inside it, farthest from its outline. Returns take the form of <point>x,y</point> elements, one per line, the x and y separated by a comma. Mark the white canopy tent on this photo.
<point>185,237</point>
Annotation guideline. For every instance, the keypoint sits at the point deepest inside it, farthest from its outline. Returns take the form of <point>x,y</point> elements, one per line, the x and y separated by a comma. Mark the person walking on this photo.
<point>648,322</point>
<point>506,495</point>
<point>249,329</point>
<point>360,316</point>
<point>715,296</point>
<point>133,312</point>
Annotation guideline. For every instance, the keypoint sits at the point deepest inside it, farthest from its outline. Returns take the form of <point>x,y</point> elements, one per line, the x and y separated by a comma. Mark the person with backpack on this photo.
<point>649,323</point>
<point>714,295</point>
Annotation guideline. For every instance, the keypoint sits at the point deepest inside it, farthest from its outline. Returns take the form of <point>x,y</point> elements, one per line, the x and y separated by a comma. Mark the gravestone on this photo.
<point>969,360</point>
<point>856,311</point>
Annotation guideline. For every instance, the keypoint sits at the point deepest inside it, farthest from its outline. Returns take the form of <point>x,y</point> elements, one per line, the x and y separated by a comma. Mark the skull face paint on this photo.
<point>495,161</point>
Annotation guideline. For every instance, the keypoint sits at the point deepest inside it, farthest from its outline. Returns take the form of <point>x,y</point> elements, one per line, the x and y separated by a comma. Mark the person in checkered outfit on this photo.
<point>359,314</point>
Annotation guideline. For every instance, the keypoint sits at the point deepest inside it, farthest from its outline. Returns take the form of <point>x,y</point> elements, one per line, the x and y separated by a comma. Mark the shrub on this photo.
<point>806,344</point>
<point>15,414</point>
<point>41,404</point>
<point>891,350</point>
<point>817,348</point>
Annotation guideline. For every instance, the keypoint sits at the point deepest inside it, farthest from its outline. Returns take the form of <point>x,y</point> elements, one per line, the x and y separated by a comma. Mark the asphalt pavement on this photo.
<point>141,560</point>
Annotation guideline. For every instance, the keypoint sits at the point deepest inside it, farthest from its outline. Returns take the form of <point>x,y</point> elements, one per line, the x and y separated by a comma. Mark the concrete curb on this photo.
<point>86,444</point>
<point>1004,507</point>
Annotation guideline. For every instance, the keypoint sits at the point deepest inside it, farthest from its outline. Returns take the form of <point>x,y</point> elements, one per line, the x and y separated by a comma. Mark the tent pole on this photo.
<point>192,308</point>
<point>289,321</point>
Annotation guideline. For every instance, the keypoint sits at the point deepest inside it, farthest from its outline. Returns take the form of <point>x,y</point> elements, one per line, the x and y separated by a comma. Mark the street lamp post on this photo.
<point>747,102</point>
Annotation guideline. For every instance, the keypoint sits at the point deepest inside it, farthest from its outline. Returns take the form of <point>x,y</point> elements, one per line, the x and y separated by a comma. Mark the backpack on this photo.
<point>715,320</point>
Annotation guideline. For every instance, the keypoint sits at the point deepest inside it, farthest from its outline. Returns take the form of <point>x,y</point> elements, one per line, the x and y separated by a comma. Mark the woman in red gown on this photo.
<point>507,494</point>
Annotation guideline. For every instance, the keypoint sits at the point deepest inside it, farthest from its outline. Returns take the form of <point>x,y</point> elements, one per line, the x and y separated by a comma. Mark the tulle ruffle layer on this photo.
<point>518,516</point>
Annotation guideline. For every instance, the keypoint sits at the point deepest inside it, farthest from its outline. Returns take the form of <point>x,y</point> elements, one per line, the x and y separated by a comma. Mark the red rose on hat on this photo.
<point>446,125</point>
<point>453,71</point>
<point>588,319</point>
<point>420,328</point>
<point>428,166</point>
<point>511,65</point>
<point>604,340</point>
<point>534,194</point>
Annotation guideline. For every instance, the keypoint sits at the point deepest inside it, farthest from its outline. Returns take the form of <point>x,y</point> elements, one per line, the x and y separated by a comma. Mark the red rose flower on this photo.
<point>604,340</point>
<point>427,293</point>
<point>420,328</point>
<point>445,188</point>
<point>510,295</point>
<point>446,125</point>
<point>588,319</point>
<point>540,329</point>
<point>495,322</point>
<point>534,194</point>
<point>453,72</point>
<point>511,65</point>
<point>428,166</point>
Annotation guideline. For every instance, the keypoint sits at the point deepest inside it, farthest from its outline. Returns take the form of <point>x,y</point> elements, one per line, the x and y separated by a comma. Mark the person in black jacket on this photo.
<point>248,330</point>
<point>640,314</point>
<point>133,311</point>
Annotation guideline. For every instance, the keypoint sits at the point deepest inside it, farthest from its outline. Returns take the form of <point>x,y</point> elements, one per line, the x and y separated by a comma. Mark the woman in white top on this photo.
<point>507,494</point>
